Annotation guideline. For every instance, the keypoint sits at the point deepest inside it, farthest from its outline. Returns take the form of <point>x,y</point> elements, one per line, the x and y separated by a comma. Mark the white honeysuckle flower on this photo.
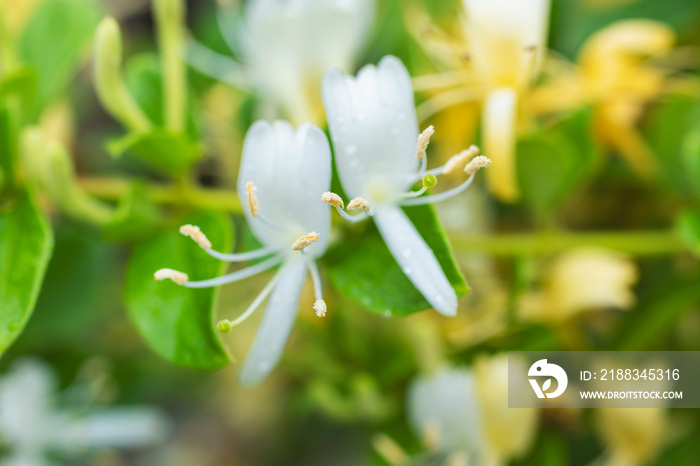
<point>466,410</point>
<point>32,425</point>
<point>285,47</point>
<point>380,155</point>
<point>282,178</point>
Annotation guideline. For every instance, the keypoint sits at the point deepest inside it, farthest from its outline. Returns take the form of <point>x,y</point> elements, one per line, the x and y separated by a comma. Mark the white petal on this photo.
<point>499,136</point>
<point>447,401</point>
<point>373,125</point>
<point>416,259</point>
<point>134,427</point>
<point>276,325</point>
<point>291,171</point>
<point>290,44</point>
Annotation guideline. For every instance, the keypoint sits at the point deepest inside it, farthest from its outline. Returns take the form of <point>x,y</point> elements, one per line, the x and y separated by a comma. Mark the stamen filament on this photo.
<point>320,304</point>
<point>352,218</point>
<point>238,274</point>
<point>229,324</point>
<point>242,256</point>
<point>439,197</point>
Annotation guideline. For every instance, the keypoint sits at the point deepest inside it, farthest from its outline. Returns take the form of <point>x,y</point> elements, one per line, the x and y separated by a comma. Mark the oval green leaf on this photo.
<point>178,322</point>
<point>26,242</point>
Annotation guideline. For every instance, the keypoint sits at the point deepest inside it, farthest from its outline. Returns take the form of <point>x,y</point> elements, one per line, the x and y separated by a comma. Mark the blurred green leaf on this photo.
<point>688,227</point>
<point>8,145</point>
<point>57,36</point>
<point>26,242</point>
<point>143,78</point>
<point>21,82</point>
<point>668,128</point>
<point>161,149</point>
<point>177,322</point>
<point>364,270</point>
<point>134,217</point>
<point>553,162</point>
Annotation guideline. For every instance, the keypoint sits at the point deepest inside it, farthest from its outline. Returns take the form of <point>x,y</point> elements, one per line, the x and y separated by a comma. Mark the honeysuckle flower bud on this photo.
<point>380,155</point>
<point>33,424</point>
<point>284,174</point>
<point>466,411</point>
<point>285,47</point>
<point>582,280</point>
<point>109,83</point>
<point>170,17</point>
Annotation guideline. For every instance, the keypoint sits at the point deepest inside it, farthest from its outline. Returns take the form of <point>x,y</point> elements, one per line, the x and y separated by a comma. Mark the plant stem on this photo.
<point>169,19</point>
<point>639,243</point>
<point>113,189</point>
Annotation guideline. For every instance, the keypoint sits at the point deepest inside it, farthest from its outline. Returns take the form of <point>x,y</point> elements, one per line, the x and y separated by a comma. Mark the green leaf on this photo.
<point>688,228</point>
<point>161,149</point>
<point>553,162</point>
<point>8,145</point>
<point>134,217</point>
<point>21,82</point>
<point>26,242</point>
<point>177,322</point>
<point>669,132</point>
<point>57,36</point>
<point>364,270</point>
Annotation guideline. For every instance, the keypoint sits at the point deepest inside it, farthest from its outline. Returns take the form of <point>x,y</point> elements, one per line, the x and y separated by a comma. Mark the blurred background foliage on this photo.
<point>599,253</point>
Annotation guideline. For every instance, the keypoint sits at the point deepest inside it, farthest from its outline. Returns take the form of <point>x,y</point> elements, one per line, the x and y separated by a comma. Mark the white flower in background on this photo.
<point>465,411</point>
<point>283,175</point>
<point>374,130</point>
<point>32,425</point>
<point>582,280</point>
<point>285,47</point>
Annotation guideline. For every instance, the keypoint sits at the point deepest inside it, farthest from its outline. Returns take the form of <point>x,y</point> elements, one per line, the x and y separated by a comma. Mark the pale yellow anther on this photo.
<point>252,198</point>
<point>359,203</point>
<point>477,163</point>
<point>305,241</point>
<point>457,160</point>
<point>320,308</point>
<point>332,199</point>
<point>196,234</point>
<point>423,141</point>
<point>174,275</point>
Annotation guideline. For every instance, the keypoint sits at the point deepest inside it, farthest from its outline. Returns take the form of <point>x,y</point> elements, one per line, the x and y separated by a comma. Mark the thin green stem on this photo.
<point>113,189</point>
<point>171,40</point>
<point>639,243</point>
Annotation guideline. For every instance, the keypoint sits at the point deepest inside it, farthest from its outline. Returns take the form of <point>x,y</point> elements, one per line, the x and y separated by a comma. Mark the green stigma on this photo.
<point>429,180</point>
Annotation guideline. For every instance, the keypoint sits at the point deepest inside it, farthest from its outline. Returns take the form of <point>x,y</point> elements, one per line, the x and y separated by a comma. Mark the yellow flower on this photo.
<point>612,74</point>
<point>582,280</point>
<point>501,51</point>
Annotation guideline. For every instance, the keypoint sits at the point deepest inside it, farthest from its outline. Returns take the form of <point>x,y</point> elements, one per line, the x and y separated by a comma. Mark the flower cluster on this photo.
<point>285,179</point>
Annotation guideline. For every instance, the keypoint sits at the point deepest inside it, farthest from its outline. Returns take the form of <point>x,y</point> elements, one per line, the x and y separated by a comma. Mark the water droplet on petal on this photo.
<point>360,117</point>
<point>406,252</point>
<point>401,115</point>
<point>394,131</point>
<point>407,270</point>
<point>351,149</point>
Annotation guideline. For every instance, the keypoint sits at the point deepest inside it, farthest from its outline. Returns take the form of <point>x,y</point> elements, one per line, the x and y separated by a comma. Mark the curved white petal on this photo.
<point>416,259</point>
<point>447,403</point>
<point>276,325</point>
<point>291,171</point>
<point>289,45</point>
<point>373,126</point>
<point>499,137</point>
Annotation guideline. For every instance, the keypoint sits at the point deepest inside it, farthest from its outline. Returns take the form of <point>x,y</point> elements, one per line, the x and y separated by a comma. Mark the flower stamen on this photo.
<point>196,234</point>
<point>252,198</point>
<point>176,276</point>
<point>423,141</point>
<point>305,241</point>
<point>319,305</point>
<point>477,163</point>
<point>333,199</point>
<point>360,203</point>
<point>457,160</point>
